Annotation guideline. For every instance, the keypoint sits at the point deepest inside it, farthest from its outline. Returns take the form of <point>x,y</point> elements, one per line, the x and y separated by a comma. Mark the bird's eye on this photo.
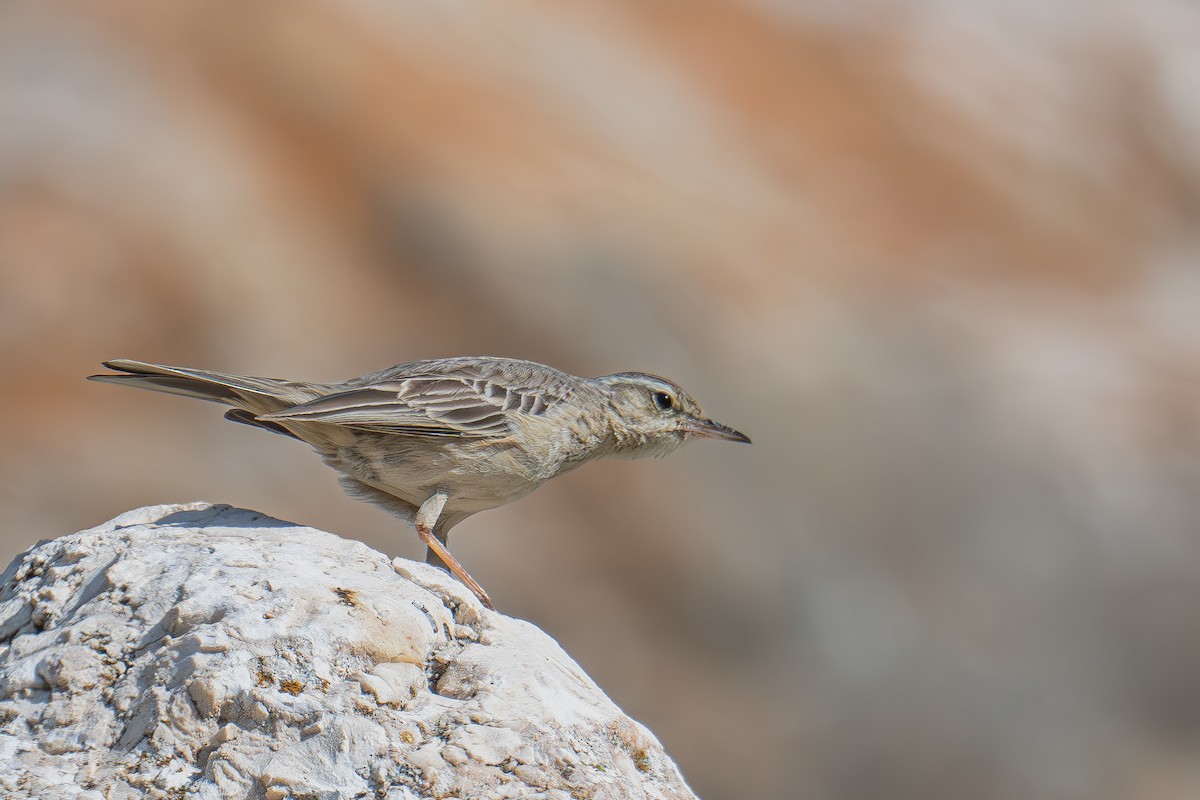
<point>664,401</point>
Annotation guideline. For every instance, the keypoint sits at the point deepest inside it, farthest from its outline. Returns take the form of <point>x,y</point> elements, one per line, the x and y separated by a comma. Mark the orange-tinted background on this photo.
<point>940,259</point>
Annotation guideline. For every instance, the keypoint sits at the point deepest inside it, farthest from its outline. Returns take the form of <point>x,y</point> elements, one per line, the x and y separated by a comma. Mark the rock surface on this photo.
<point>201,651</point>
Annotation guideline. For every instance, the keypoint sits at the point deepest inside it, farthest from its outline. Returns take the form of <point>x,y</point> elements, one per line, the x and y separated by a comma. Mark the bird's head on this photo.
<point>653,416</point>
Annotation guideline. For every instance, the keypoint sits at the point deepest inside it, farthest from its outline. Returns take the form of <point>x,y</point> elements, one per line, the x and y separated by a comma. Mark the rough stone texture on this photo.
<point>204,651</point>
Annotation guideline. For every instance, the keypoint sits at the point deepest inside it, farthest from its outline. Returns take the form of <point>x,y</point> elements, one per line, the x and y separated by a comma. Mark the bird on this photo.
<point>438,440</point>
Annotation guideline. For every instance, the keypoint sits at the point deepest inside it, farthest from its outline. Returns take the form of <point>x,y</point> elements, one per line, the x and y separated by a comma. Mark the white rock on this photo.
<point>210,652</point>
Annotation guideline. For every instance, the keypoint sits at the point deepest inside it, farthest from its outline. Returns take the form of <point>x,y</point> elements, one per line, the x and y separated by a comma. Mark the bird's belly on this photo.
<point>473,477</point>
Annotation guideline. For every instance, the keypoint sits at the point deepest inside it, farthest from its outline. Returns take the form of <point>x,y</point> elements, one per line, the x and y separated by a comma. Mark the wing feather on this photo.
<point>465,405</point>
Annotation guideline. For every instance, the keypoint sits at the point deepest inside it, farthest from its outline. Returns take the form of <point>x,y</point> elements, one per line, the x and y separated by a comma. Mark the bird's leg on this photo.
<point>431,557</point>
<point>426,519</point>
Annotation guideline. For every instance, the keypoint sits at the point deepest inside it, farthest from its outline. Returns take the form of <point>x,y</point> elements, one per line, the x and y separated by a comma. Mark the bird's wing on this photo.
<point>428,405</point>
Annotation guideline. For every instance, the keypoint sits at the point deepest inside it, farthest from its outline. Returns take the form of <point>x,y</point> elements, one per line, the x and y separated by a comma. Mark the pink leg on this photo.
<point>426,518</point>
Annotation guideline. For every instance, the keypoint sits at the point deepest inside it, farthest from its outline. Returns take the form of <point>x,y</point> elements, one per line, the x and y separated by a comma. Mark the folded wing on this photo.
<point>435,405</point>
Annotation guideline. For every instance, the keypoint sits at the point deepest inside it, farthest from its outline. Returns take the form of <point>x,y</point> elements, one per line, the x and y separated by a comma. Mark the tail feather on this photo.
<point>246,418</point>
<point>256,395</point>
<point>186,387</point>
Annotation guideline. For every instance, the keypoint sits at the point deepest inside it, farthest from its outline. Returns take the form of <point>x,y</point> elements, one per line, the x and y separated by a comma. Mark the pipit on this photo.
<point>437,441</point>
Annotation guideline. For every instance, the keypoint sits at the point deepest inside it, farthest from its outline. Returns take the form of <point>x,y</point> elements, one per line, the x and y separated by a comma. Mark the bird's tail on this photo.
<point>253,395</point>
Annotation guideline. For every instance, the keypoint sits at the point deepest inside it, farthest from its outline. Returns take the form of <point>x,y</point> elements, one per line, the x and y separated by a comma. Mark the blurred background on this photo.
<point>940,259</point>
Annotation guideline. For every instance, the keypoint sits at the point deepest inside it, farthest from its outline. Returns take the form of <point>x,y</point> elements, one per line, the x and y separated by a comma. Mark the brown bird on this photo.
<point>437,441</point>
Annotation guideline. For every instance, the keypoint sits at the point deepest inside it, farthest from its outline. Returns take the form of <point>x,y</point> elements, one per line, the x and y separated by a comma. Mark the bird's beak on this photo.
<point>714,430</point>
